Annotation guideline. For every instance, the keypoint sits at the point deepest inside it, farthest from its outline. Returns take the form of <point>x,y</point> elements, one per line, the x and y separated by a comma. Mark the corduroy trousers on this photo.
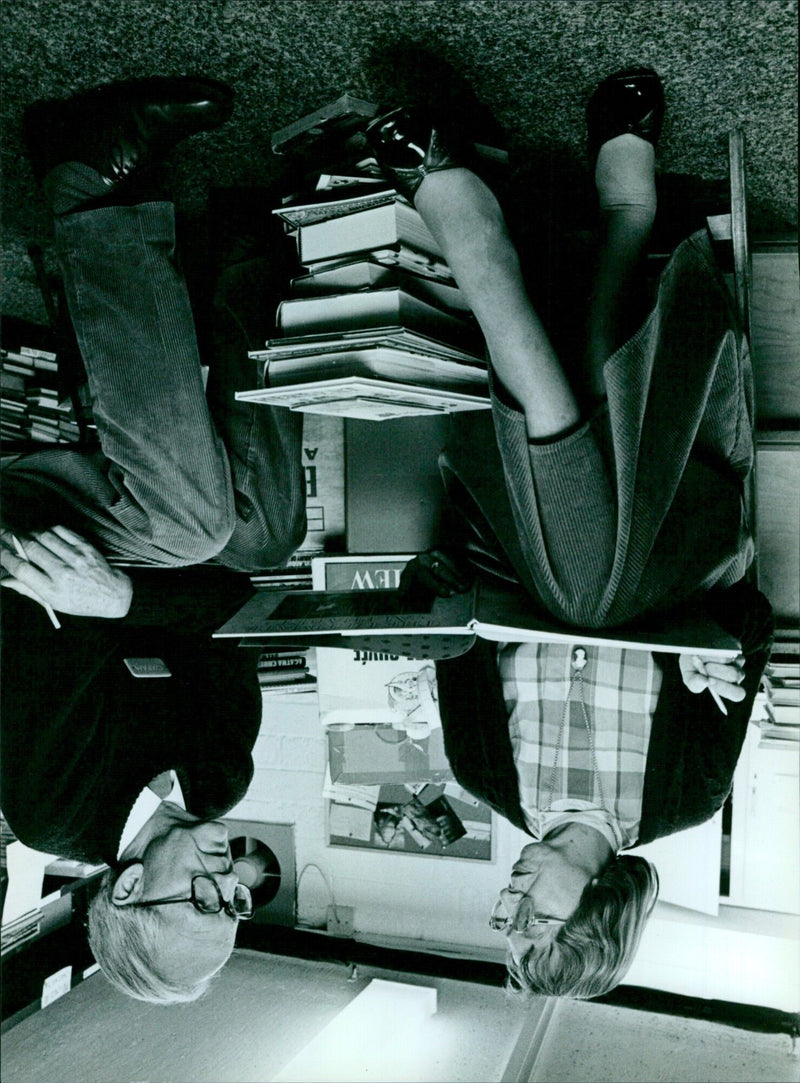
<point>181,477</point>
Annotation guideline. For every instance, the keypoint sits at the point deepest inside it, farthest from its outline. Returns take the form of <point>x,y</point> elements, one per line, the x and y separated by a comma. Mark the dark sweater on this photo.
<point>693,747</point>
<point>81,737</point>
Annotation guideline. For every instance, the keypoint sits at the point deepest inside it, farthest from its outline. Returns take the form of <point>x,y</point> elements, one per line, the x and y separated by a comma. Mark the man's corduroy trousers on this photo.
<point>181,478</point>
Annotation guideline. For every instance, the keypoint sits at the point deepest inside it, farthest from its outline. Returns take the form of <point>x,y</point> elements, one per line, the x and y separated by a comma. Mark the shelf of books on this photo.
<point>374,325</point>
<point>288,672</point>
<point>35,408</point>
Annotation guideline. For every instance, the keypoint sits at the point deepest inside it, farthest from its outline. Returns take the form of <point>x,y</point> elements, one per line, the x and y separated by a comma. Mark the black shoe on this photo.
<point>88,146</point>
<point>408,147</point>
<point>628,102</point>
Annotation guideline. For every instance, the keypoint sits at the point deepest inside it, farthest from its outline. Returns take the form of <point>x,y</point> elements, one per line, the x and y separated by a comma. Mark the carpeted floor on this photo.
<point>518,71</point>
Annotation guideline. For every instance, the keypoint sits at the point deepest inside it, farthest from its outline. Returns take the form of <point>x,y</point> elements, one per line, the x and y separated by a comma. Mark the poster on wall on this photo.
<point>434,819</point>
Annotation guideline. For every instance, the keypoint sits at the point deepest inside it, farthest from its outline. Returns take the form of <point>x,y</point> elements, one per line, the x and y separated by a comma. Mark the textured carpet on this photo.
<point>517,71</point>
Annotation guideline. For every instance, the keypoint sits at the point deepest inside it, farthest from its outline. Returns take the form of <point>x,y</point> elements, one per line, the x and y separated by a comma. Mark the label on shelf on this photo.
<point>56,985</point>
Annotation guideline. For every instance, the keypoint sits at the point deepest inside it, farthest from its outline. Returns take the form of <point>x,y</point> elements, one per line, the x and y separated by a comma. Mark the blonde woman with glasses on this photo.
<point>603,497</point>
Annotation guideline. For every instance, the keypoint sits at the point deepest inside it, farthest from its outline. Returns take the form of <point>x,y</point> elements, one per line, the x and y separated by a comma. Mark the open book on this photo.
<point>320,616</point>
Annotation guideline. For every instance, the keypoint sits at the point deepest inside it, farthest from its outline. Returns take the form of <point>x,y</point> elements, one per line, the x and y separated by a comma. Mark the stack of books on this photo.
<point>20,930</point>
<point>281,673</point>
<point>778,703</point>
<point>293,577</point>
<point>52,419</point>
<point>375,326</point>
<point>14,423</point>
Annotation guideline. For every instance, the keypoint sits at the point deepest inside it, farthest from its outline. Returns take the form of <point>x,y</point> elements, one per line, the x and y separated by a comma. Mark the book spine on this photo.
<point>282,661</point>
<point>42,355</point>
<point>282,676</point>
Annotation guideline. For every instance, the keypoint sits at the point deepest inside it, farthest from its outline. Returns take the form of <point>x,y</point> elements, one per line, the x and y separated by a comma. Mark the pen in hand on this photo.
<point>24,556</point>
<point>718,700</point>
<point>716,696</point>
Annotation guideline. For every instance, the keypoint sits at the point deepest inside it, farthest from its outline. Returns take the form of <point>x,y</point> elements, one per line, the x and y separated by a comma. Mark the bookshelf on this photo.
<point>58,945</point>
<point>41,402</point>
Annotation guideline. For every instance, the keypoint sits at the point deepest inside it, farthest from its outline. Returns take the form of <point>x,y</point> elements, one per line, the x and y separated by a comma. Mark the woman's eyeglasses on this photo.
<point>502,922</point>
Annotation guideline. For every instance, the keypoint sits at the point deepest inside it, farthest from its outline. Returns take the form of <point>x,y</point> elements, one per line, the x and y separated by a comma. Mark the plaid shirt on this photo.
<point>620,690</point>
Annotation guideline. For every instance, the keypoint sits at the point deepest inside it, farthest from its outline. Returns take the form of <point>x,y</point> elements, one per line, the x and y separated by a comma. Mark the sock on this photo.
<point>70,184</point>
<point>625,173</point>
<point>75,186</point>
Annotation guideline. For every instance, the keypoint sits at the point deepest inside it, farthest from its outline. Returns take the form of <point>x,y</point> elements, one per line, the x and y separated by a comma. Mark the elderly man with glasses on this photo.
<point>127,731</point>
<point>104,765</point>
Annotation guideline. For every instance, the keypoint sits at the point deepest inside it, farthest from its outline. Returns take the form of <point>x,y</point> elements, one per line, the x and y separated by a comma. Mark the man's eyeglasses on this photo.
<point>502,922</point>
<point>207,898</point>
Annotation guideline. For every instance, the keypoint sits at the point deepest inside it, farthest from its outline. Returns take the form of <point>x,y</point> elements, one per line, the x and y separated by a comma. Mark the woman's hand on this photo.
<point>722,679</point>
<point>434,572</point>
<point>65,571</point>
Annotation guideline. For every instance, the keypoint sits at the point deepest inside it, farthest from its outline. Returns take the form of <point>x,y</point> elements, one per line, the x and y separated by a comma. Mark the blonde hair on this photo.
<point>125,943</point>
<point>590,954</point>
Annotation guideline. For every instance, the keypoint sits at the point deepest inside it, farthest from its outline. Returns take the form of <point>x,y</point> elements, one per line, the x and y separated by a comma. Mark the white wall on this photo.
<point>748,956</point>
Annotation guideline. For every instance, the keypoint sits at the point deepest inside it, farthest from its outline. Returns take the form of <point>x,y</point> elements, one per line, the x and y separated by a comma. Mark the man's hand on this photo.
<point>722,679</point>
<point>66,572</point>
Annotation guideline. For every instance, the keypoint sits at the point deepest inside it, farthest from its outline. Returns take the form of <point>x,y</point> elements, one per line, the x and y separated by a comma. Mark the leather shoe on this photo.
<point>86,147</point>
<point>408,147</point>
<point>627,102</point>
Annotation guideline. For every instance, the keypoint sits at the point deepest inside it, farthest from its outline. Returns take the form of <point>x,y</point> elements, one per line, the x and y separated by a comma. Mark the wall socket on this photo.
<point>340,920</point>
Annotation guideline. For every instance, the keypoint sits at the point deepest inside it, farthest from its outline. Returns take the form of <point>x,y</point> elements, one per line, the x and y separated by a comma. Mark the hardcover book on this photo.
<point>331,203</point>
<point>348,113</point>
<point>378,227</point>
<point>323,465</point>
<point>412,343</point>
<point>369,274</point>
<point>377,308</point>
<point>397,255</point>
<point>380,363</point>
